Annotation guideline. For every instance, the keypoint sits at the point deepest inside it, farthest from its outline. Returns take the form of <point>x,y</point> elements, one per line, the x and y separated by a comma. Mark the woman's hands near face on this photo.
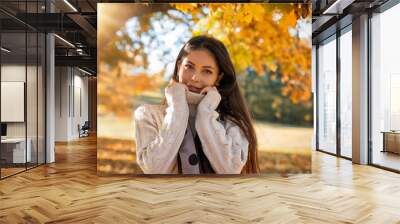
<point>212,98</point>
<point>206,89</point>
<point>172,82</point>
<point>175,92</point>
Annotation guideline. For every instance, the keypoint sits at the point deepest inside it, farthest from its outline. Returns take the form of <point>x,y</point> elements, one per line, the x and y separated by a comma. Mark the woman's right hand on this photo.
<point>175,91</point>
<point>172,82</point>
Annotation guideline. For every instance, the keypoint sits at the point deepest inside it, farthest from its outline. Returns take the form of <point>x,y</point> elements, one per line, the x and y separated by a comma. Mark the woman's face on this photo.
<point>198,70</point>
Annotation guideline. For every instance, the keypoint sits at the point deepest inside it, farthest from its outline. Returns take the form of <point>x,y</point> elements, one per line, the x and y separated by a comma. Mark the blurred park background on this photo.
<point>270,46</point>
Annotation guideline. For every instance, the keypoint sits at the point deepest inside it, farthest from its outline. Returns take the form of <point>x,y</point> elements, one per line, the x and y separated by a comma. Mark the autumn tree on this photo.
<point>269,38</point>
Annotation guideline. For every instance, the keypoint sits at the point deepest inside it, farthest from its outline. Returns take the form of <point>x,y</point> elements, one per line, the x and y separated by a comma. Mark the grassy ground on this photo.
<point>282,148</point>
<point>283,138</point>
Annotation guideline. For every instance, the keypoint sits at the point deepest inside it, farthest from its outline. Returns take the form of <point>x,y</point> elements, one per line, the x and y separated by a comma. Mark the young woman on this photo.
<point>204,125</point>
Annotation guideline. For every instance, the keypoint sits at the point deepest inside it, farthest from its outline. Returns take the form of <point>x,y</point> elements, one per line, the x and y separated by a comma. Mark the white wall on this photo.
<point>71,94</point>
<point>61,103</point>
<point>33,127</point>
<point>80,110</point>
<point>15,73</point>
<point>11,73</point>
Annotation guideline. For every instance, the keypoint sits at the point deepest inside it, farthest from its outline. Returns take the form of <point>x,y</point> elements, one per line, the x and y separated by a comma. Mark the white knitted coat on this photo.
<point>160,130</point>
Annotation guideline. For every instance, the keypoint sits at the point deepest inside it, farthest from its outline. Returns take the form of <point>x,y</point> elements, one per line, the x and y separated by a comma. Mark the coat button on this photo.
<point>193,160</point>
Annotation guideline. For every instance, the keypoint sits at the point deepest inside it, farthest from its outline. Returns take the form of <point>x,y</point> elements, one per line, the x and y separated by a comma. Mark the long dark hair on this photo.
<point>232,105</point>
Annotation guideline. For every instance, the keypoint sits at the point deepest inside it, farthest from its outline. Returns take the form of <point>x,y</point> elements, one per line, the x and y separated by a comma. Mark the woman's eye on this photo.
<point>208,72</point>
<point>188,66</point>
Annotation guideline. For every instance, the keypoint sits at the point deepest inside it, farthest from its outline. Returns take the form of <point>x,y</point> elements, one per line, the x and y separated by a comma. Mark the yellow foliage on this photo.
<point>256,35</point>
<point>254,39</point>
<point>272,66</point>
<point>186,8</point>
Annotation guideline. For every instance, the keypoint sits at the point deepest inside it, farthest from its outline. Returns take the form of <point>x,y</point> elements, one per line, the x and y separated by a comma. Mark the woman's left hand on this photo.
<point>212,98</point>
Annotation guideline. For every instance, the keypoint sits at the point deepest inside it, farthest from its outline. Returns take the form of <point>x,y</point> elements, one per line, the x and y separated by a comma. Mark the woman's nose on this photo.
<point>195,77</point>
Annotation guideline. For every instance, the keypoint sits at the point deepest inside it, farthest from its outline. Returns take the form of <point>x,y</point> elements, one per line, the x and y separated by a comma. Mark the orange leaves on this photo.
<point>247,13</point>
<point>117,89</point>
<point>257,11</point>
<point>272,66</point>
<point>257,36</point>
<point>244,14</point>
<point>291,19</point>
<point>186,7</point>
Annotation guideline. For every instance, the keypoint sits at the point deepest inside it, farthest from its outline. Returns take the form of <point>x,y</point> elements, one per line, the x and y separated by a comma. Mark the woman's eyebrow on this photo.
<point>205,66</point>
<point>209,66</point>
<point>189,62</point>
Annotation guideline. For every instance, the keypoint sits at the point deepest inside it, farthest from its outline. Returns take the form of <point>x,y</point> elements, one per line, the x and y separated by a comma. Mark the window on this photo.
<point>22,80</point>
<point>385,89</point>
<point>327,96</point>
<point>346,93</point>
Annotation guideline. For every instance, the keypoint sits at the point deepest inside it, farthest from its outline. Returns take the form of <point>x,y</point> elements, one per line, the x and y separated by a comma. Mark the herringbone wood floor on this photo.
<point>69,191</point>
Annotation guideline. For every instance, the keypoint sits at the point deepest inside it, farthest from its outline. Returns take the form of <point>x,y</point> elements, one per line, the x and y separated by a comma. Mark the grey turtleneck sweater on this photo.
<point>191,160</point>
<point>163,132</point>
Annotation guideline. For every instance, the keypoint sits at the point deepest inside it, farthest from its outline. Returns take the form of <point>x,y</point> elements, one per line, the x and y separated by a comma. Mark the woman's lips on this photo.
<point>194,89</point>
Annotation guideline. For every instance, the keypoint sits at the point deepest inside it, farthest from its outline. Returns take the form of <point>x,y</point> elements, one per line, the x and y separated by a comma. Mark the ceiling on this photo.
<point>332,15</point>
<point>76,22</point>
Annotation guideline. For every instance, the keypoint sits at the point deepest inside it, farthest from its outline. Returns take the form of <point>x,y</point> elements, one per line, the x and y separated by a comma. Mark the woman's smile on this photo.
<point>194,89</point>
